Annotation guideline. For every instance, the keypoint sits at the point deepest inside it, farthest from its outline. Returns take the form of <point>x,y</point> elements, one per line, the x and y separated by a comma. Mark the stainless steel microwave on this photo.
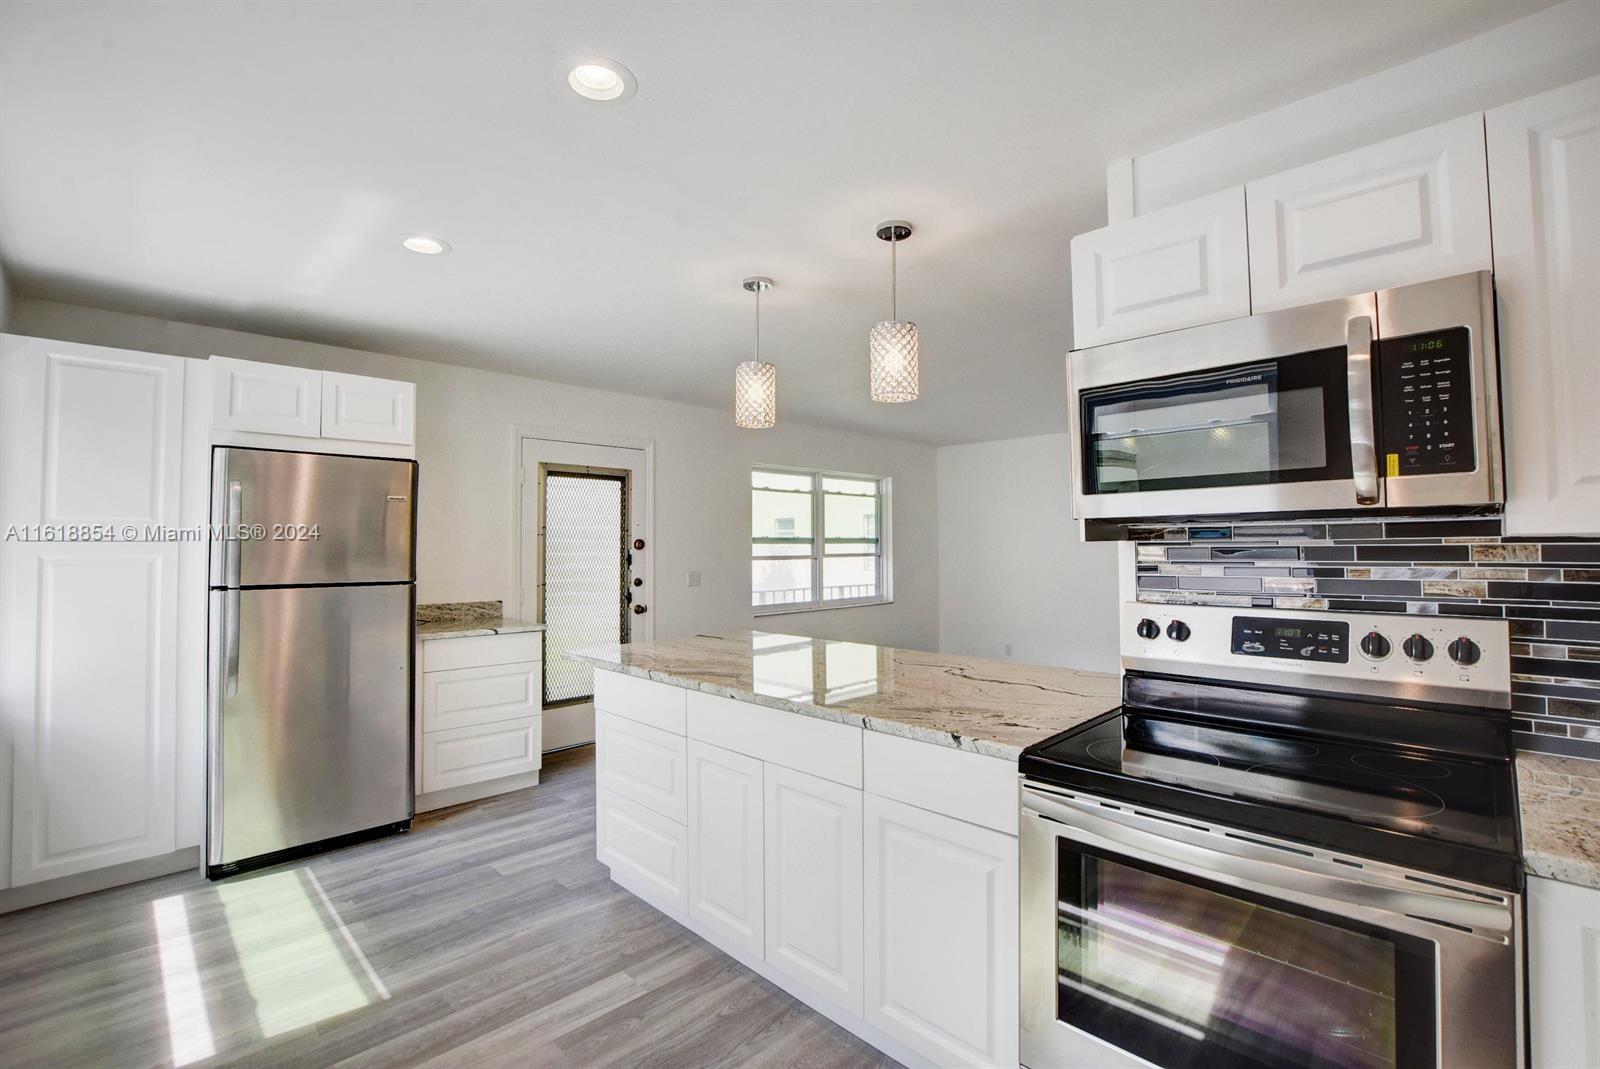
<point>1381,401</point>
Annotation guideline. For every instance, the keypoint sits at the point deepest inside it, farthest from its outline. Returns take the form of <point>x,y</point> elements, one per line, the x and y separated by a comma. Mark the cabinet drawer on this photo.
<point>968,786</point>
<point>643,764</point>
<point>820,747</point>
<point>646,852</point>
<point>443,654</point>
<point>487,695</point>
<point>661,705</point>
<point>460,756</point>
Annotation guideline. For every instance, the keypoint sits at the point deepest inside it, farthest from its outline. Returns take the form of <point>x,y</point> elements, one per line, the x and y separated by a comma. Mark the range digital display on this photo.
<point>1292,640</point>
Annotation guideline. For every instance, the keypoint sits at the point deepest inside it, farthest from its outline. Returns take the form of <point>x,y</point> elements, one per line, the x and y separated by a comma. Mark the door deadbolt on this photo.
<point>638,543</point>
<point>640,610</point>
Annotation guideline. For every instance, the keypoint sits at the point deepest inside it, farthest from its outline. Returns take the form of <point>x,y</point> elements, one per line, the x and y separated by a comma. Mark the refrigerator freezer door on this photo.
<point>316,518</point>
<point>311,704</point>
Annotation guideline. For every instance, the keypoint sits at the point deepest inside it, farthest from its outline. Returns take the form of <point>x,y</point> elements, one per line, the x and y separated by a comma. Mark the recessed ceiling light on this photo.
<point>426,245</point>
<point>598,78</point>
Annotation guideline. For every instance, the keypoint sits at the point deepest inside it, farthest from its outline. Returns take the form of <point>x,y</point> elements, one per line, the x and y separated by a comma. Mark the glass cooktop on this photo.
<point>1443,812</point>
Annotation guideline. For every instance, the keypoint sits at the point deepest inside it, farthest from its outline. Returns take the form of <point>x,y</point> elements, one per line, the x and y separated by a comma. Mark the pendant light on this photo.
<point>892,344</point>
<point>755,382</point>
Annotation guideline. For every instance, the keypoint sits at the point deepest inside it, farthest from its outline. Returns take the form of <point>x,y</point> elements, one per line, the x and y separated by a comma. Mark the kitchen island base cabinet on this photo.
<point>1564,974</point>
<point>727,848</point>
<point>813,884</point>
<point>873,877</point>
<point>947,989</point>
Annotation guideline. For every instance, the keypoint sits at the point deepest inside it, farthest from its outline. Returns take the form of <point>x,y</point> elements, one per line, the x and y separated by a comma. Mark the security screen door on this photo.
<point>583,572</point>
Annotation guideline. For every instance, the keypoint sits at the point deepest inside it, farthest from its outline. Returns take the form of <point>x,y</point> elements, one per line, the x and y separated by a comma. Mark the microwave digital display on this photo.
<point>1425,382</point>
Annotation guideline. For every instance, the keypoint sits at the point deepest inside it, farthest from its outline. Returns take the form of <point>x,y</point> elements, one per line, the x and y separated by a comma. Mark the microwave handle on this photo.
<point>1358,384</point>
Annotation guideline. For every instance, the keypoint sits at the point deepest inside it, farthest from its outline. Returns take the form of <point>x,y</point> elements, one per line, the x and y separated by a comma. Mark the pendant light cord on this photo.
<point>758,324</point>
<point>894,278</point>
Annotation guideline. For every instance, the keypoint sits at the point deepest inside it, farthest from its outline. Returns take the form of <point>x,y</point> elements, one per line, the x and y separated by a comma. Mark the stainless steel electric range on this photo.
<point>1294,844</point>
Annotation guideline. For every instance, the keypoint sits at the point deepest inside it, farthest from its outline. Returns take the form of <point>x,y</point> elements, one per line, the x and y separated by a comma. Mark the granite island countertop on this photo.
<point>1560,800</point>
<point>990,707</point>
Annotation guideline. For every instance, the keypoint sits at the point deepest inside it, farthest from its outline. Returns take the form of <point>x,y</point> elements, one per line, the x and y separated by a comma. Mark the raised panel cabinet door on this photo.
<point>1177,267</point>
<point>488,695</point>
<point>813,884</point>
<point>1410,209</point>
<point>1564,974</point>
<point>726,893</point>
<point>1544,175</point>
<point>941,935</point>
<point>460,756</point>
<point>644,764</point>
<point>248,395</point>
<point>91,678</point>
<point>363,409</point>
<point>646,852</point>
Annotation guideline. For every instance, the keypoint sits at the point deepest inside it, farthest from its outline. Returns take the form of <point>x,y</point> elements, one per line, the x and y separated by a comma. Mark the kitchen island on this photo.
<point>840,817</point>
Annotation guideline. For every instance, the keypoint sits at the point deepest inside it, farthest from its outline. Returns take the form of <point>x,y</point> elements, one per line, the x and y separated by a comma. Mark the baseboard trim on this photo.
<point>83,883</point>
<point>473,792</point>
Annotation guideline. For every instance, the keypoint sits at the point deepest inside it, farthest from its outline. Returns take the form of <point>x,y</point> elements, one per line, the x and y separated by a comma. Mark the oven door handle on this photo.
<point>1112,831</point>
<point>1358,384</point>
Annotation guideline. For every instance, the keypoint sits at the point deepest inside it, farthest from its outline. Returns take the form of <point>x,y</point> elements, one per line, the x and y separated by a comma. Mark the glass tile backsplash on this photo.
<point>1548,589</point>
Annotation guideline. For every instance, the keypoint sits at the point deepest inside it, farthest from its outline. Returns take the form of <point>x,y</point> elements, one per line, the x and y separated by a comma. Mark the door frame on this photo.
<point>642,628</point>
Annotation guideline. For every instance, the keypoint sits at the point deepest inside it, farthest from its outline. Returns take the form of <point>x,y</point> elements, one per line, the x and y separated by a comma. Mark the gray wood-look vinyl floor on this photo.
<point>488,936</point>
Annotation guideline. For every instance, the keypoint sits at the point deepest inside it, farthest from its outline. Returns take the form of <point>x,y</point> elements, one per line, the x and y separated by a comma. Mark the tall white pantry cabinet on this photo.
<point>104,500</point>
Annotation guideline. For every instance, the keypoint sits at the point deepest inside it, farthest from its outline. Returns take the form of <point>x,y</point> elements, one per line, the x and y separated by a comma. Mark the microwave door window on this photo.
<point>1264,423</point>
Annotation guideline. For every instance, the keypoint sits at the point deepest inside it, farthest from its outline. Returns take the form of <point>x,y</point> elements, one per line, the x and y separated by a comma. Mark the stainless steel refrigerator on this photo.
<point>312,625</point>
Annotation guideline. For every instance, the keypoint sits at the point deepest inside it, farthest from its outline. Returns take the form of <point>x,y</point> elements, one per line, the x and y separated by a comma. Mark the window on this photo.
<point>817,540</point>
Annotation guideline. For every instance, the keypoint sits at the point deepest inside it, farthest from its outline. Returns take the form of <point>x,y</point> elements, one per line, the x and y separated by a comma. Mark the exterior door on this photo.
<point>88,637</point>
<point>583,565</point>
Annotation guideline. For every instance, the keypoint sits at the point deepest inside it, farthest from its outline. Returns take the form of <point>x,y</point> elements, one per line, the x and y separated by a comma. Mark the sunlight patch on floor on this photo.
<point>188,1025</point>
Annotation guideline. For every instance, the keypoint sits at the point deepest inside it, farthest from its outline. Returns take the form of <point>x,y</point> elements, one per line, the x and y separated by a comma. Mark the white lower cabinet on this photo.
<point>642,763</point>
<point>1564,974</point>
<point>813,884</point>
<point>646,852</point>
<point>726,835</point>
<point>894,913</point>
<point>459,757</point>
<point>941,935</point>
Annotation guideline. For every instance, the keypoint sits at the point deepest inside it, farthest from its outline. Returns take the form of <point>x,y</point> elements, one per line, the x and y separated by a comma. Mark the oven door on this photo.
<point>1267,414</point>
<point>1152,942</point>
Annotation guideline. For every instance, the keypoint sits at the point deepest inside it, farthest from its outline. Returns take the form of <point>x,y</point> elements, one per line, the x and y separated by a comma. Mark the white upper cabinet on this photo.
<point>1177,267</point>
<point>265,398</point>
<point>1544,171</point>
<point>368,410</point>
<point>1406,210</point>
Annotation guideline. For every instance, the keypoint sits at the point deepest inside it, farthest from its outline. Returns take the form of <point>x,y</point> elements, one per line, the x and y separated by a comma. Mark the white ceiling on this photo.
<point>254,165</point>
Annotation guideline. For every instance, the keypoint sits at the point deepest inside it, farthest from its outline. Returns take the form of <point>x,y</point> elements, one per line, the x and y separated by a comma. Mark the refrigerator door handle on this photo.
<point>230,546</point>
<point>230,642</point>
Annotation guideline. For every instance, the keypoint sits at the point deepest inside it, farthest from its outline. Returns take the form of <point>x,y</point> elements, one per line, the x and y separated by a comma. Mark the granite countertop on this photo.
<point>1560,799</point>
<point>989,707</point>
<point>468,619</point>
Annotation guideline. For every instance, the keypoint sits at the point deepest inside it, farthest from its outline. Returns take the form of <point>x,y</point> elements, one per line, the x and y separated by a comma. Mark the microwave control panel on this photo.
<point>1425,385</point>
<point>1305,640</point>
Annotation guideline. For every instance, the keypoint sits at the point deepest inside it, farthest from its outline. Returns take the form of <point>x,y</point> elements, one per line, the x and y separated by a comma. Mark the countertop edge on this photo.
<point>1561,868</point>
<point>882,725</point>
<point>477,631</point>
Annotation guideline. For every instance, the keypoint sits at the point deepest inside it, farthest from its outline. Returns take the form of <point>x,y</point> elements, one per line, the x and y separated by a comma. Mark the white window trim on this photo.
<point>885,555</point>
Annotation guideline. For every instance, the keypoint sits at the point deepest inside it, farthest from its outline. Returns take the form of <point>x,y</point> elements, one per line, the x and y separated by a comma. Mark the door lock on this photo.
<point>640,610</point>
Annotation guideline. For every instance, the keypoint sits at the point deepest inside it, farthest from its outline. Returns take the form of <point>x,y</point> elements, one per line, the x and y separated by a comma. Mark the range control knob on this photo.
<point>1418,648</point>
<point>1376,646</point>
<point>1148,629</point>
<point>1464,651</point>
<point>1178,631</point>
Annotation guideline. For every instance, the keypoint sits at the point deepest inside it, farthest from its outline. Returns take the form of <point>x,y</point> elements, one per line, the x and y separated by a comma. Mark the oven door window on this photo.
<point>1185,973</point>
<point>1284,420</point>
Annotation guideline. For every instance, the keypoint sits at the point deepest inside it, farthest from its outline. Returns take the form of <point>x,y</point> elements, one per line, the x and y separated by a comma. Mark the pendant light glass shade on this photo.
<point>892,346</point>
<point>755,395</point>
<point>893,375</point>
<point>755,382</point>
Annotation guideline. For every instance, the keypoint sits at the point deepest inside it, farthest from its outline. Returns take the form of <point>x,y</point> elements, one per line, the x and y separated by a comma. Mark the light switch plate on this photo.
<point>694,578</point>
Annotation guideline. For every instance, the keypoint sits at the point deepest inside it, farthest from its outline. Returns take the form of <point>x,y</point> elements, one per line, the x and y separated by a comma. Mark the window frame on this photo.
<point>819,545</point>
